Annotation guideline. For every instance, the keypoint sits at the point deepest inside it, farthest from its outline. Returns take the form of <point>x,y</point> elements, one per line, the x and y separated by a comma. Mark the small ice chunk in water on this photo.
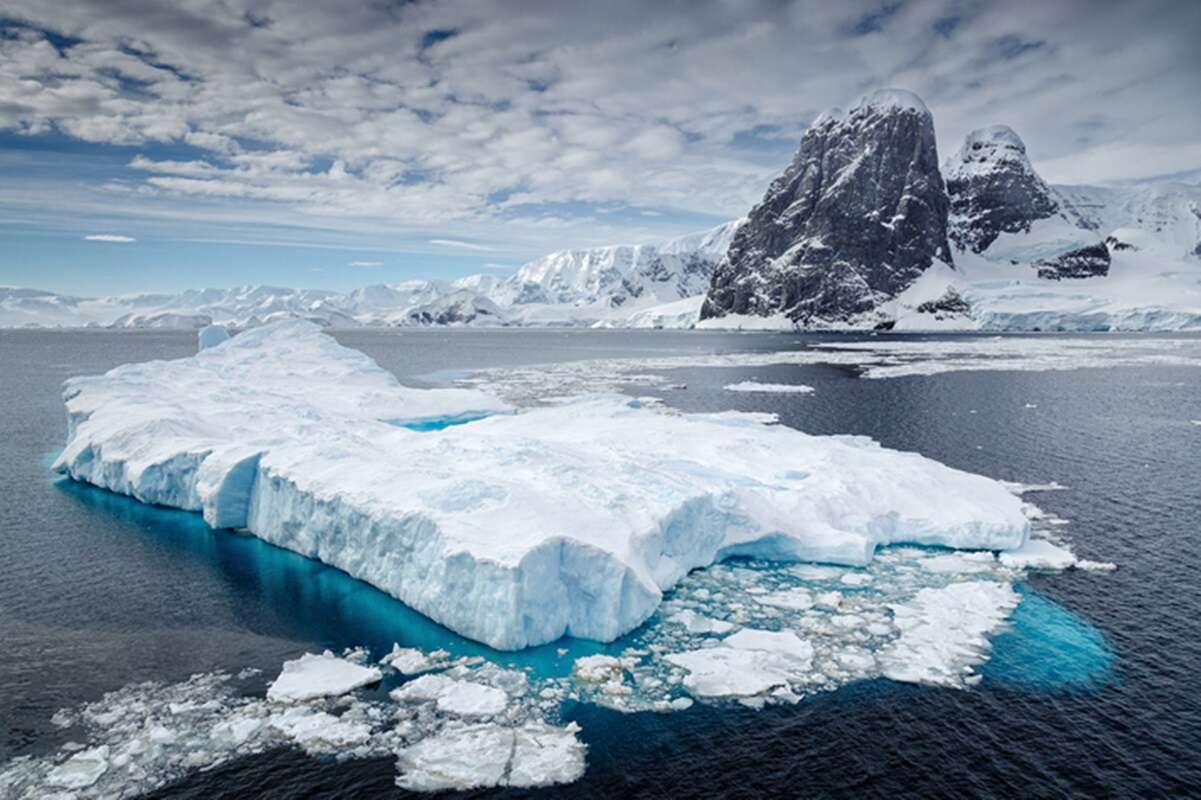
<point>460,698</point>
<point>477,756</point>
<point>312,676</point>
<point>785,643</point>
<point>1039,554</point>
<point>795,599</point>
<point>597,669</point>
<point>695,623</point>
<point>959,563</point>
<point>855,579</point>
<point>747,663</point>
<point>411,661</point>
<point>80,770</point>
<point>318,729</point>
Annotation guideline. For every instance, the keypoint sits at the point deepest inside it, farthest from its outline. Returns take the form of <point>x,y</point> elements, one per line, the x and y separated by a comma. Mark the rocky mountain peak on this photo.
<point>994,189</point>
<point>857,216</point>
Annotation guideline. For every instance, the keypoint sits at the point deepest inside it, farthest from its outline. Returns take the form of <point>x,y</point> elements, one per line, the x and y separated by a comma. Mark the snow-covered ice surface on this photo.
<point>312,676</point>
<point>515,529</point>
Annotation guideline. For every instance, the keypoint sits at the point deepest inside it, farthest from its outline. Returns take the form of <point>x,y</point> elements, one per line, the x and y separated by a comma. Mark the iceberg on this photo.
<point>518,526</point>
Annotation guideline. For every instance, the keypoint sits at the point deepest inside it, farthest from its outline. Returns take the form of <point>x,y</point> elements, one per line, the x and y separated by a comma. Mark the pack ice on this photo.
<point>521,526</point>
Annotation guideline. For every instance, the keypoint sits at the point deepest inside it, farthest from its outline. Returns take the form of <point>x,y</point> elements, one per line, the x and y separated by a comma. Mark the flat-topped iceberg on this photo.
<point>518,527</point>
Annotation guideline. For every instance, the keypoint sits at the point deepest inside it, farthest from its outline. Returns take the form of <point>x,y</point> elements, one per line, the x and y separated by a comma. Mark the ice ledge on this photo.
<point>515,529</point>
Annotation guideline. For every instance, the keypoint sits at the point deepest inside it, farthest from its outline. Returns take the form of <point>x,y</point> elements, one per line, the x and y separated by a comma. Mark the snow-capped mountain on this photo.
<point>599,286</point>
<point>849,237</point>
<point>856,218</point>
<point>994,189</point>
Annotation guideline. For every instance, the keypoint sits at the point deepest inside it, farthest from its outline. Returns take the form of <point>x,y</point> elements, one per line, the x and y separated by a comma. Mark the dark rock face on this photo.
<point>994,189</point>
<point>951,304</point>
<point>1086,262</point>
<point>859,214</point>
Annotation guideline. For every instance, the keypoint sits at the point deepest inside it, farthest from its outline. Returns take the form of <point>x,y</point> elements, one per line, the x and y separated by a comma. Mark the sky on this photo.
<point>154,146</point>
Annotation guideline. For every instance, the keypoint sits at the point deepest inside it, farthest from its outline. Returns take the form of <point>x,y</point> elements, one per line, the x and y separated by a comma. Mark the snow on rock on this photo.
<point>517,528</point>
<point>944,632</point>
<point>312,676</point>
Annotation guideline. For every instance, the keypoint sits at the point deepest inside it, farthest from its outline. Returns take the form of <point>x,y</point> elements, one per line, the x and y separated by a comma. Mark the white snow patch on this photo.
<point>312,676</point>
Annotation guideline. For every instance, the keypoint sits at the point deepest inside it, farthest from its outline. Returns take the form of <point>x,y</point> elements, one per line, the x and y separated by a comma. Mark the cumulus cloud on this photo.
<point>516,122</point>
<point>109,237</point>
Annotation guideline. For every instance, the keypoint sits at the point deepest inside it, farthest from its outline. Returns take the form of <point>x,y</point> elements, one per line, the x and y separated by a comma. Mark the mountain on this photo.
<point>994,189</point>
<point>604,286</point>
<point>856,218</point>
<point>854,234</point>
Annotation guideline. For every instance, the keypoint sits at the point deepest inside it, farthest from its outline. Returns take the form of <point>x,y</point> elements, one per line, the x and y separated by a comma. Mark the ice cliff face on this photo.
<point>994,189</point>
<point>516,528</point>
<point>856,218</point>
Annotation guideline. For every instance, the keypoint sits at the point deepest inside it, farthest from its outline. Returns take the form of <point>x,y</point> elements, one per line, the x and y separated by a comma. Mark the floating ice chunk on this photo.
<point>211,336</point>
<point>318,730</point>
<point>411,661</point>
<point>597,669</point>
<point>312,676</point>
<point>746,663</point>
<point>1095,566</point>
<point>944,632</point>
<point>776,388</point>
<point>795,599</point>
<point>515,529</point>
<point>855,579</point>
<point>451,696</point>
<point>786,643</point>
<point>695,623</point>
<point>726,672</point>
<point>1039,554</point>
<point>477,756</point>
<point>80,770</point>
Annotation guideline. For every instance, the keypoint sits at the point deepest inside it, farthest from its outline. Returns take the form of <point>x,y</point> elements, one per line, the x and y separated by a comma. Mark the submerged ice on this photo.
<point>515,528</point>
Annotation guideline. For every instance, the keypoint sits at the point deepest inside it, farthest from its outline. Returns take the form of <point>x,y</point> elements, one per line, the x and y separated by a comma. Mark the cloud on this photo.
<point>109,237</point>
<point>494,265</point>
<point>366,264</point>
<point>513,123</point>
<point>461,245</point>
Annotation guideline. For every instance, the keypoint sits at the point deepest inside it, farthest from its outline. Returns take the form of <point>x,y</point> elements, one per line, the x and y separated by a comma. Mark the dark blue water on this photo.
<point>1092,693</point>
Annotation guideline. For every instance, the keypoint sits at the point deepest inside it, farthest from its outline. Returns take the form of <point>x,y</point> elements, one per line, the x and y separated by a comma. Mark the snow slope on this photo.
<point>516,528</point>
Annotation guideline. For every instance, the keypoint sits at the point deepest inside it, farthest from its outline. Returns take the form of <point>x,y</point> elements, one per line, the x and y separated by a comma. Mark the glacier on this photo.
<point>521,526</point>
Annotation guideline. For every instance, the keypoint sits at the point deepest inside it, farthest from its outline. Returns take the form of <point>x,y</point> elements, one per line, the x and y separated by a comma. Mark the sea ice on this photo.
<point>517,528</point>
<point>312,676</point>
<point>1039,554</point>
<point>776,388</point>
<point>944,631</point>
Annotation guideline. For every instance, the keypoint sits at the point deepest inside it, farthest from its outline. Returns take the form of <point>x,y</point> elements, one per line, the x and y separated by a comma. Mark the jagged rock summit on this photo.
<point>994,189</point>
<point>856,218</point>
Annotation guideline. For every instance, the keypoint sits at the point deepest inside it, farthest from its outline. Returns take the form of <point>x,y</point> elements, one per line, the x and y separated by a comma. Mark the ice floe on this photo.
<point>517,528</point>
<point>772,388</point>
<point>312,676</point>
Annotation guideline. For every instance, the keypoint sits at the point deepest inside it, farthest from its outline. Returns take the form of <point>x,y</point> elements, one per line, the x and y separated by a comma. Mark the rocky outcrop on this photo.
<point>859,215</point>
<point>1086,262</point>
<point>994,189</point>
